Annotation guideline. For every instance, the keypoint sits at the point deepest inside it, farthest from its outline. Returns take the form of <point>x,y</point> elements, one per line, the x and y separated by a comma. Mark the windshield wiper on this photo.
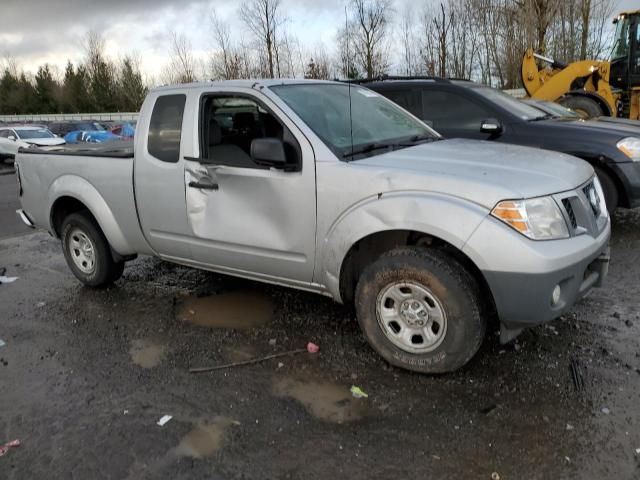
<point>369,147</point>
<point>543,117</point>
<point>418,138</point>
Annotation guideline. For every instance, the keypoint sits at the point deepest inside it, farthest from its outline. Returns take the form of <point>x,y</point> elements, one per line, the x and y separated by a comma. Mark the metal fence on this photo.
<point>57,117</point>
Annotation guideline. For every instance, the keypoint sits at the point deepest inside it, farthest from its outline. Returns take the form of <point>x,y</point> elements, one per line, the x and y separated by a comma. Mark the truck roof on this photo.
<point>243,83</point>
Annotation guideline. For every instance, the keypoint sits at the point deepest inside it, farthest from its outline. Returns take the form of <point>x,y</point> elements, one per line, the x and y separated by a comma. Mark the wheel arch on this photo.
<point>379,224</point>
<point>605,165</point>
<point>69,194</point>
<point>373,246</point>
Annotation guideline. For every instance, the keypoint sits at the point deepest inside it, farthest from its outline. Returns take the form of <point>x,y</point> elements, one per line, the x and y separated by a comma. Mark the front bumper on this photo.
<point>522,273</point>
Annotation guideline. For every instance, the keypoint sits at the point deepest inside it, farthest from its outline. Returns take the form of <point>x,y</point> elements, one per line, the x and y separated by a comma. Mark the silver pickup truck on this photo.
<point>331,188</point>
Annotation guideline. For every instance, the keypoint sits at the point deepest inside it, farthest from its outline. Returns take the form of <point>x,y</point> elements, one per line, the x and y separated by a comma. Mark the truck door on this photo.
<point>247,218</point>
<point>159,176</point>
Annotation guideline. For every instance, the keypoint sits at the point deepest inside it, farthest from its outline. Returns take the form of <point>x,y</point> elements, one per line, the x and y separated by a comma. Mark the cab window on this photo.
<point>230,123</point>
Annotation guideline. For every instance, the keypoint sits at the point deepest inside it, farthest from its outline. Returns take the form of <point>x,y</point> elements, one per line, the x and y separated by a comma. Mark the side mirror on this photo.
<point>12,137</point>
<point>491,125</point>
<point>268,152</point>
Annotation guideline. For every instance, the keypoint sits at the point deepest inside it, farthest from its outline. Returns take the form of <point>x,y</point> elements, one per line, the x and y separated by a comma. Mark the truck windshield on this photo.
<point>34,133</point>
<point>352,120</point>
<point>621,42</point>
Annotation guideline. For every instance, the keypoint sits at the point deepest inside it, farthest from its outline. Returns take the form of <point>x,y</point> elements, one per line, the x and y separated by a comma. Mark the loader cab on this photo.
<point>625,56</point>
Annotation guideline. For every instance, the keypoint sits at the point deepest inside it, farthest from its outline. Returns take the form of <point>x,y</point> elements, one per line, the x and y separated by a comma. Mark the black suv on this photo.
<point>461,108</point>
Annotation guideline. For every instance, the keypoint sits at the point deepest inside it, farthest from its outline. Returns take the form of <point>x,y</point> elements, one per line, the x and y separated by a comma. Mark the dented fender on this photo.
<point>80,189</point>
<point>449,218</point>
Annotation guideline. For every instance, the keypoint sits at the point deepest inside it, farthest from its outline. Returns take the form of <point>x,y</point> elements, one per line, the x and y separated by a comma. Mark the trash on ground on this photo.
<point>2,343</point>
<point>576,369</point>
<point>40,304</point>
<point>357,392</point>
<point>5,448</point>
<point>164,420</point>
<point>312,348</point>
<point>8,279</point>
<point>280,364</point>
<point>569,427</point>
<point>605,410</point>
<point>637,451</point>
<point>246,362</point>
<point>272,342</point>
<point>495,476</point>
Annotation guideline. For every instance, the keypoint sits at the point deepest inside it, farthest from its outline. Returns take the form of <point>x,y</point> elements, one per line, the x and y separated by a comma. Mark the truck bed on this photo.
<point>118,148</point>
<point>100,177</point>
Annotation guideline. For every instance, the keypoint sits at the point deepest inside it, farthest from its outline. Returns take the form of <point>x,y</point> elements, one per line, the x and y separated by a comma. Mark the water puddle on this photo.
<point>237,310</point>
<point>324,400</point>
<point>206,438</point>
<point>146,354</point>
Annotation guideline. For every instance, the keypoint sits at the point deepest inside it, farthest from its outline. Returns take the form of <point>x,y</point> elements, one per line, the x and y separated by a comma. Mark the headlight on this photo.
<point>537,218</point>
<point>630,146</point>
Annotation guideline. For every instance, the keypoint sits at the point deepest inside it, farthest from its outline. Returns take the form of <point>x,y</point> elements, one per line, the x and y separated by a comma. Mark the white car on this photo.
<point>12,138</point>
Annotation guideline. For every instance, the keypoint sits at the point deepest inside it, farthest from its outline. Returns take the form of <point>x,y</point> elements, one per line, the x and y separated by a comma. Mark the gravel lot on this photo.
<point>86,374</point>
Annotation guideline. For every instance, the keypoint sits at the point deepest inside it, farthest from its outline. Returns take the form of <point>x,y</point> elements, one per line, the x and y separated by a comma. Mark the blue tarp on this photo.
<point>91,136</point>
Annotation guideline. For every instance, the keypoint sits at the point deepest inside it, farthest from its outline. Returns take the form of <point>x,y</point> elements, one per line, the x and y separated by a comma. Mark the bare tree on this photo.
<point>182,66</point>
<point>370,26</point>
<point>408,42</point>
<point>263,18</point>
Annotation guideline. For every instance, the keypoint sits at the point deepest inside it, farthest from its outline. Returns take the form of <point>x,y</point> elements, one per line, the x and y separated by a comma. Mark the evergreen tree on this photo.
<point>46,88</point>
<point>131,88</point>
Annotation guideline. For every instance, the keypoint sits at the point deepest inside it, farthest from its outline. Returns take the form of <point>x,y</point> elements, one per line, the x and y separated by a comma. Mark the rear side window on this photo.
<point>406,98</point>
<point>165,128</point>
<point>450,110</point>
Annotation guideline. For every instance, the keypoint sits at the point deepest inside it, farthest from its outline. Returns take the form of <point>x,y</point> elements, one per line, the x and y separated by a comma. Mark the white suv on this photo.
<point>12,138</point>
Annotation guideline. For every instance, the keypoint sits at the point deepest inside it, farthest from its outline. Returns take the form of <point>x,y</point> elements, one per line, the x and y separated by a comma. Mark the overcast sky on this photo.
<point>52,31</point>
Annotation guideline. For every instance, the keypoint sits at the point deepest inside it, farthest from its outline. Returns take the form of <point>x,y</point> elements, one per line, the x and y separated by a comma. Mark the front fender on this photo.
<point>80,189</point>
<point>448,218</point>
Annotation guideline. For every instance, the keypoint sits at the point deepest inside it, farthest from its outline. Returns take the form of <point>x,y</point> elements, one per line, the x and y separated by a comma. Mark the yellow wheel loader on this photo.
<point>591,87</point>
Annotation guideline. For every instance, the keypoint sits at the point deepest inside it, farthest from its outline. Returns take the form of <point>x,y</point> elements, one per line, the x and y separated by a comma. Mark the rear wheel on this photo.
<point>583,105</point>
<point>420,310</point>
<point>87,251</point>
<point>609,188</point>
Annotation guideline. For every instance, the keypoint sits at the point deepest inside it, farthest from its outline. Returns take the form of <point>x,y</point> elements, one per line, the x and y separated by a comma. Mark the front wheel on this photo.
<point>87,251</point>
<point>609,189</point>
<point>420,310</point>
<point>584,106</point>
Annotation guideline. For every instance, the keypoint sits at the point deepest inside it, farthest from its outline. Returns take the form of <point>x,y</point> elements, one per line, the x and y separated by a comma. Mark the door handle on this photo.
<point>204,186</point>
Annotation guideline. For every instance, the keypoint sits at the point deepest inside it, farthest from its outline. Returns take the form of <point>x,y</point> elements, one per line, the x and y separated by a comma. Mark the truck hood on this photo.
<point>615,130</point>
<point>44,142</point>
<point>480,171</point>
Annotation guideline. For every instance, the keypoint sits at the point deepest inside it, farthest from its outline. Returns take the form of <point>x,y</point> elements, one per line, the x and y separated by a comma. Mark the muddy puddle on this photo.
<point>206,438</point>
<point>327,401</point>
<point>236,310</point>
<point>147,354</point>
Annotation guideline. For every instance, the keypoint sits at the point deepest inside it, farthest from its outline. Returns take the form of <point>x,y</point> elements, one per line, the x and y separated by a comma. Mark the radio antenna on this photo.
<point>348,40</point>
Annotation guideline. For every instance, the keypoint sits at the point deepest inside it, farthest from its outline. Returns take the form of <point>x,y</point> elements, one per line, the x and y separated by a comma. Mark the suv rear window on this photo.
<point>165,128</point>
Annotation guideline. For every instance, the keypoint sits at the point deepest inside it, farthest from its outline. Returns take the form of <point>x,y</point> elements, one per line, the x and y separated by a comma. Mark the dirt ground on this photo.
<point>85,376</point>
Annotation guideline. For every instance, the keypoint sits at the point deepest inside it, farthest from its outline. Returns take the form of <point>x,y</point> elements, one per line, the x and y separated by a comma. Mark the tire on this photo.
<point>87,251</point>
<point>585,105</point>
<point>436,283</point>
<point>609,188</point>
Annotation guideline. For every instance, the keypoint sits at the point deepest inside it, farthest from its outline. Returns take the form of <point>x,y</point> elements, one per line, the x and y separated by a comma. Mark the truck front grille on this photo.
<point>566,203</point>
<point>593,198</point>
